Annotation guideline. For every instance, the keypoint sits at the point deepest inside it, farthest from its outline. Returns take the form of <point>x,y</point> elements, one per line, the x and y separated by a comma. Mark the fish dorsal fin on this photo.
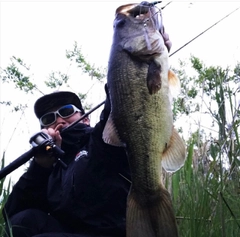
<point>110,135</point>
<point>174,155</point>
<point>174,83</point>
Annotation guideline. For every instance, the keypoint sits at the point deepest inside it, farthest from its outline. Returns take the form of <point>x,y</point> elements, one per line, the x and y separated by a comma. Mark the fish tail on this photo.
<point>154,218</point>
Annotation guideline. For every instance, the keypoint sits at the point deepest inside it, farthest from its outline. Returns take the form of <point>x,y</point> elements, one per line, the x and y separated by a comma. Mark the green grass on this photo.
<point>4,193</point>
<point>206,202</point>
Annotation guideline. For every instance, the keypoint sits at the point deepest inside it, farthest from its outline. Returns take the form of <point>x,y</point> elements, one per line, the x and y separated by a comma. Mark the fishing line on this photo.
<point>157,12</point>
<point>166,5</point>
<point>152,15</point>
<point>203,32</point>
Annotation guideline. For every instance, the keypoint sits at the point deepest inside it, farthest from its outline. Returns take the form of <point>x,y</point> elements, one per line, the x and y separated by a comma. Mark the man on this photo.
<point>84,197</point>
<point>88,197</point>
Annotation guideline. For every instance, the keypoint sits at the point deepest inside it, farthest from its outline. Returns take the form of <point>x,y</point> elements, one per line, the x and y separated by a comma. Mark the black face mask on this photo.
<point>73,139</point>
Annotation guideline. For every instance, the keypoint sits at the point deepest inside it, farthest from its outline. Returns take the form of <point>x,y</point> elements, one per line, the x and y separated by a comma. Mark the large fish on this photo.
<point>141,118</point>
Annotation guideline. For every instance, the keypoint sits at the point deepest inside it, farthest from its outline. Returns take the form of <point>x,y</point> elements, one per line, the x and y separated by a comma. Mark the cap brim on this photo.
<point>47,102</point>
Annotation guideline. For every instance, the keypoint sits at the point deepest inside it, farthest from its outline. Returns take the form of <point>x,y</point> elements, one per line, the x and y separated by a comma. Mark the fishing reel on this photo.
<point>43,143</point>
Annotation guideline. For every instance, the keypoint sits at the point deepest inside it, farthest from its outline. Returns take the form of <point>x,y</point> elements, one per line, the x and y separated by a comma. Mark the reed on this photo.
<point>5,189</point>
<point>206,191</point>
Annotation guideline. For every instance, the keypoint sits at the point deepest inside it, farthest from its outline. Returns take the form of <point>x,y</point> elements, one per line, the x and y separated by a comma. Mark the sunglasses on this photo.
<point>65,111</point>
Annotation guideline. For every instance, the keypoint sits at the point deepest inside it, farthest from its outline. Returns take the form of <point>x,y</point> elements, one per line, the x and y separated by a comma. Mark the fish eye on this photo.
<point>120,23</point>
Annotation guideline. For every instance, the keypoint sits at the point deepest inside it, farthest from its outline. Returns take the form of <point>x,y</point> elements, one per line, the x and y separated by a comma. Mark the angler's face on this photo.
<point>61,117</point>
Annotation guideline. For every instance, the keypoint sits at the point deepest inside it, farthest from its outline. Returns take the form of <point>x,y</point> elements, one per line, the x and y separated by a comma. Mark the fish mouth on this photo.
<point>140,12</point>
<point>140,26</point>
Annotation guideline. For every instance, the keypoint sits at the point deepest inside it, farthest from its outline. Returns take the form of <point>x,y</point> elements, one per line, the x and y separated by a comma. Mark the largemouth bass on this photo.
<point>141,117</point>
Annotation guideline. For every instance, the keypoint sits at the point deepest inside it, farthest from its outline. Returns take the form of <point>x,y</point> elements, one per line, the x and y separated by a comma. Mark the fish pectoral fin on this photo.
<point>175,154</point>
<point>152,217</point>
<point>110,135</point>
<point>174,84</point>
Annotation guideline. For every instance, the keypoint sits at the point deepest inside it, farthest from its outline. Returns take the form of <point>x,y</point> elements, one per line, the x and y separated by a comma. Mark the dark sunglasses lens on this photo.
<point>66,111</point>
<point>48,119</point>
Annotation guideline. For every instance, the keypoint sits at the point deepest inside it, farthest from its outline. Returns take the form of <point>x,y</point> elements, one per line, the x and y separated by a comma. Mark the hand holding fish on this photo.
<point>167,41</point>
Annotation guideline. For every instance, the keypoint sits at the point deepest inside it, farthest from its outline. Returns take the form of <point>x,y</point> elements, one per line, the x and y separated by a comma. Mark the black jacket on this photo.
<point>90,195</point>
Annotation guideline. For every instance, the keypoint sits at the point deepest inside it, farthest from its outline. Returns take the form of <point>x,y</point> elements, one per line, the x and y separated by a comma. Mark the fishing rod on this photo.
<point>157,2</point>
<point>203,32</point>
<point>42,142</point>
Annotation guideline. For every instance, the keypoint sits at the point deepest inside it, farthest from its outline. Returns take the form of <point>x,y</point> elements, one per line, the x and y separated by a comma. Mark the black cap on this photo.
<point>59,98</point>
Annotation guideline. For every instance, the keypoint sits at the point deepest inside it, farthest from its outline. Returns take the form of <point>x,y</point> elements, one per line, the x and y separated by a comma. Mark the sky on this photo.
<point>40,32</point>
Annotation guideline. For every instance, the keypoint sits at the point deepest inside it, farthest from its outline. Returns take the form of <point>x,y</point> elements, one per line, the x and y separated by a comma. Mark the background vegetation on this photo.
<point>206,191</point>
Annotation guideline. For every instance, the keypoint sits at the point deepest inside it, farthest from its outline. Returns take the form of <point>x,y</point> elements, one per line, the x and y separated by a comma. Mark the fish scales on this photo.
<point>141,118</point>
<point>138,120</point>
